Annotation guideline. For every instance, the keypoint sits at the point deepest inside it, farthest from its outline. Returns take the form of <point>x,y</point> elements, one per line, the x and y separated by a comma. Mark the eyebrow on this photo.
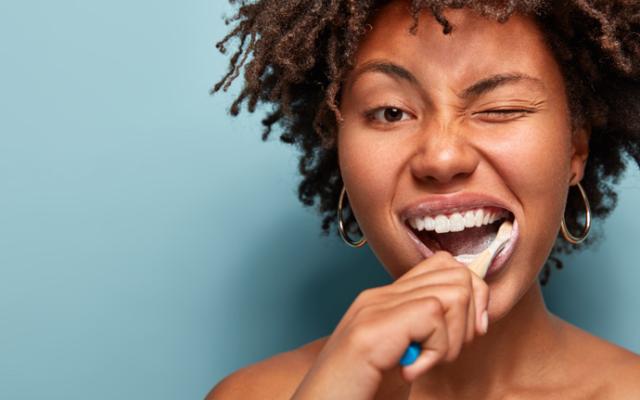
<point>387,68</point>
<point>487,84</point>
<point>478,88</point>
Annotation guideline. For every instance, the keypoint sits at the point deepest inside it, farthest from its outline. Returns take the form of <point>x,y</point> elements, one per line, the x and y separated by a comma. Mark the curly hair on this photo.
<point>303,49</point>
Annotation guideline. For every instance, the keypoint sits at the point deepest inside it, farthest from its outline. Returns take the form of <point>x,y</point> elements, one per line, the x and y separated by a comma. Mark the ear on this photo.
<point>580,152</point>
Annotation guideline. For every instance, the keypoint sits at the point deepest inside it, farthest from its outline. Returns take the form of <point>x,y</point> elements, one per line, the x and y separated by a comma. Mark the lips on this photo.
<point>439,204</point>
<point>454,222</point>
<point>499,263</point>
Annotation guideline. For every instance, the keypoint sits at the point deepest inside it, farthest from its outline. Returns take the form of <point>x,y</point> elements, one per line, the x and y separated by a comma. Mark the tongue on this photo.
<point>468,241</point>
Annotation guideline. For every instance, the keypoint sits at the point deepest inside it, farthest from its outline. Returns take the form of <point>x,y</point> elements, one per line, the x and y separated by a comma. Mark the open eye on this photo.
<point>387,115</point>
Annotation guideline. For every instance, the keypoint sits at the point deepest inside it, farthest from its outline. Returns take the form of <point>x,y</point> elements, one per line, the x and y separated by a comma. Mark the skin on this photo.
<point>446,144</point>
<point>453,146</point>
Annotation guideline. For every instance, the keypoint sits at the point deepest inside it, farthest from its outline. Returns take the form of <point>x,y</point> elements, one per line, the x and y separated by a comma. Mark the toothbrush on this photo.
<point>479,266</point>
<point>481,263</point>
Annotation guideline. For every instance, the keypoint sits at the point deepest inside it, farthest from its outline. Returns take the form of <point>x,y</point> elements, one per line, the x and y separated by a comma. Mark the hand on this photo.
<point>438,303</point>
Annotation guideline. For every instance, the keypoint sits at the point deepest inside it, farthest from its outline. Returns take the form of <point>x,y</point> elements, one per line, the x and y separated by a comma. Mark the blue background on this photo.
<point>150,244</point>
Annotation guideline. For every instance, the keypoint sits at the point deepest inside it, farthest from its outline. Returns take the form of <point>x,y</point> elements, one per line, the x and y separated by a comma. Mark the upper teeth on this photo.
<point>457,221</point>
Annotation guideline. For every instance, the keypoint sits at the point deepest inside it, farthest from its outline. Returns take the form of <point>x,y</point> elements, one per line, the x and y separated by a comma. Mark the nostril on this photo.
<point>442,178</point>
<point>444,161</point>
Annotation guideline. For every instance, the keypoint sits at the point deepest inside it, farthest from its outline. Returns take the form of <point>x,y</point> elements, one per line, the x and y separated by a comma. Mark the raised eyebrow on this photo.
<point>493,82</point>
<point>385,67</point>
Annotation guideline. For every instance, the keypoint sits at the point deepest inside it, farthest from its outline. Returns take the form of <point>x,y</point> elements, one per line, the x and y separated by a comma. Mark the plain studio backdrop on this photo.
<point>150,244</point>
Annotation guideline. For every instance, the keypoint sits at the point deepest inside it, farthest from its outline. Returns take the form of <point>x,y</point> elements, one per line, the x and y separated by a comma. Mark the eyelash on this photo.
<point>371,113</point>
<point>504,112</point>
<point>500,113</point>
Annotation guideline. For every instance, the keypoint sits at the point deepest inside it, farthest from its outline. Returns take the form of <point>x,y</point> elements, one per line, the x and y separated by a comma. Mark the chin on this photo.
<point>509,289</point>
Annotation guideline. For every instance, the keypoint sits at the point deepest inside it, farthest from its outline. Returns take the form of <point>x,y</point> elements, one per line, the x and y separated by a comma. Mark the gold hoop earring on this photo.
<point>342,230</point>
<point>587,225</point>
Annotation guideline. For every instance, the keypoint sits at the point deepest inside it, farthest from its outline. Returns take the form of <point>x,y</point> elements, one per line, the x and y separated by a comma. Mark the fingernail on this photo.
<point>485,321</point>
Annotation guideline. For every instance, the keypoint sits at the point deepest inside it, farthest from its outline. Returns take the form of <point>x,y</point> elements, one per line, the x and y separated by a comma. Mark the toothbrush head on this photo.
<point>481,263</point>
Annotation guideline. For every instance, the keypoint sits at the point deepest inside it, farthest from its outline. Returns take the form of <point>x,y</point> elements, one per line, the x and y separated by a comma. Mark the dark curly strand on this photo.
<point>302,50</point>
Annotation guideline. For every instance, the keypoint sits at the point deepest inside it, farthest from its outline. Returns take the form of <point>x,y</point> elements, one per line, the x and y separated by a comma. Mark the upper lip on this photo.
<point>444,204</point>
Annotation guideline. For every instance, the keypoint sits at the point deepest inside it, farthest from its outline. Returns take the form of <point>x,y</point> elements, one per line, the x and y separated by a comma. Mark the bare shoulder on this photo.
<point>618,375</point>
<point>613,369</point>
<point>624,375</point>
<point>274,378</point>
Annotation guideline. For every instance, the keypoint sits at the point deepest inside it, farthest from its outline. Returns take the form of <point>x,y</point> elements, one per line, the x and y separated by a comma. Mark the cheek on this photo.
<point>369,168</point>
<point>539,161</point>
<point>536,167</point>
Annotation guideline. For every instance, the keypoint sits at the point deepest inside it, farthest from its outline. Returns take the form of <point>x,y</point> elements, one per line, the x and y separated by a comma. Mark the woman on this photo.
<point>412,113</point>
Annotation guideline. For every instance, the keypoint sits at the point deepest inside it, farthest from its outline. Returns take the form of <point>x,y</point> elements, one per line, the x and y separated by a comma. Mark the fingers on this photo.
<point>439,260</point>
<point>433,335</point>
<point>458,274</point>
<point>439,303</point>
<point>428,358</point>
<point>367,298</point>
<point>481,300</point>
<point>455,302</point>
<point>471,327</point>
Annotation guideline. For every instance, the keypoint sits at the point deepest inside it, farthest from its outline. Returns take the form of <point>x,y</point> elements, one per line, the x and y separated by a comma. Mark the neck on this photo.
<point>517,350</point>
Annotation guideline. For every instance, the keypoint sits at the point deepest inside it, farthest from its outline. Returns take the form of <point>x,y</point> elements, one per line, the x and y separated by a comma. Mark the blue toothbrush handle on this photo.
<point>411,354</point>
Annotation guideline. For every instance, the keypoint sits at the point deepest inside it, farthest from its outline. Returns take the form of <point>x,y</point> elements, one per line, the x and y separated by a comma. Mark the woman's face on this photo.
<point>438,123</point>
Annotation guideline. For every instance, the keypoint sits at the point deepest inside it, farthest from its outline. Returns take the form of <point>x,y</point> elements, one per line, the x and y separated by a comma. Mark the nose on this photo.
<point>443,156</point>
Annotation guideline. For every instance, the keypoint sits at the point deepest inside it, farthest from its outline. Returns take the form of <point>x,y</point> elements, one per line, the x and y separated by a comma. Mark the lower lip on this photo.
<point>499,263</point>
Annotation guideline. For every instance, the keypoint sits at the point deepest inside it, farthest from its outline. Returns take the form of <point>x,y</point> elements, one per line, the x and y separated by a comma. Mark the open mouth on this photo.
<point>464,234</point>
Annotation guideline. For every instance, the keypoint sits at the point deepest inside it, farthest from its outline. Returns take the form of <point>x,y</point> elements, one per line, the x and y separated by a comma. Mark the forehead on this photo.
<point>477,46</point>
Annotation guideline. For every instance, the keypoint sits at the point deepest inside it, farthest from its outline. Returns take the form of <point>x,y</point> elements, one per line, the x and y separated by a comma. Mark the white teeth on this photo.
<point>469,219</point>
<point>429,224</point>
<point>442,224</point>
<point>479,217</point>
<point>457,221</point>
<point>412,222</point>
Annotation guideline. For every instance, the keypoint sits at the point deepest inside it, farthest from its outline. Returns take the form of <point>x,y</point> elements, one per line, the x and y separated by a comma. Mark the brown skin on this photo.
<point>442,145</point>
<point>453,146</point>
